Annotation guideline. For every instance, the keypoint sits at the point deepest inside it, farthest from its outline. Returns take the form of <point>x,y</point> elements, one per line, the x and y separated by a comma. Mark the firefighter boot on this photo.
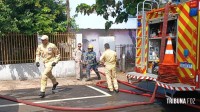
<point>42,94</point>
<point>99,77</point>
<point>54,86</point>
<point>87,77</point>
<point>117,90</point>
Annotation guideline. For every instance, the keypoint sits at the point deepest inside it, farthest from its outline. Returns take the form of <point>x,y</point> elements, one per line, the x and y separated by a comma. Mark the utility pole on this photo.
<point>68,16</point>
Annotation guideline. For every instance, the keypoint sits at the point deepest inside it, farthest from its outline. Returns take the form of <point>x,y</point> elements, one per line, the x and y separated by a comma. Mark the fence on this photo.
<point>20,48</point>
<point>66,42</point>
<point>127,51</point>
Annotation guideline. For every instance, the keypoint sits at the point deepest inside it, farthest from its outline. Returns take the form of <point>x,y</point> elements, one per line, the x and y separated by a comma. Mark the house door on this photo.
<point>106,39</point>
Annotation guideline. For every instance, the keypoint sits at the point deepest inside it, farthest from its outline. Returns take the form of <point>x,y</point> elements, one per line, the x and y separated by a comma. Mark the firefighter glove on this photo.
<point>54,64</point>
<point>37,64</point>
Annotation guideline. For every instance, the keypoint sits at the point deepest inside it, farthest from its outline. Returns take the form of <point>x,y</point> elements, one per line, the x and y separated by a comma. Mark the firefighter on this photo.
<point>77,56</point>
<point>91,62</point>
<point>109,59</point>
<point>50,56</point>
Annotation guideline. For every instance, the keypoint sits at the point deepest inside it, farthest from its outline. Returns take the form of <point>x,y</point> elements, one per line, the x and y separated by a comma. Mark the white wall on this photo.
<point>30,71</point>
<point>79,38</point>
<point>122,37</point>
<point>91,38</point>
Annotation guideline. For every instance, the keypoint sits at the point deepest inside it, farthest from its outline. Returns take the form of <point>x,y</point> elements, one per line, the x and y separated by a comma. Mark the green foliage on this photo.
<point>31,16</point>
<point>73,24</point>
<point>86,9</point>
<point>120,10</point>
<point>108,24</point>
<point>6,21</point>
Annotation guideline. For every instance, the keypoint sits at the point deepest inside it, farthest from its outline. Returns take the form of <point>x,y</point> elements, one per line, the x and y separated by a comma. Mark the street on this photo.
<point>85,96</point>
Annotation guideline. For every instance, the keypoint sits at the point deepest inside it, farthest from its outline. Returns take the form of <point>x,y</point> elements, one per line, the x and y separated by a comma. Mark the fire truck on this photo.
<point>176,24</point>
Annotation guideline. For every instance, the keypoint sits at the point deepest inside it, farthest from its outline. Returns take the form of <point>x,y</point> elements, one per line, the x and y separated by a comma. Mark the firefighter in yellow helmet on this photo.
<point>109,58</point>
<point>90,47</point>
<point>50,56</point>
<point>91,62</point>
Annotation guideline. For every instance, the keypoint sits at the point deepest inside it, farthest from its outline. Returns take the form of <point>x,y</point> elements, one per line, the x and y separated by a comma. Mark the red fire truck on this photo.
<point>178,25</point>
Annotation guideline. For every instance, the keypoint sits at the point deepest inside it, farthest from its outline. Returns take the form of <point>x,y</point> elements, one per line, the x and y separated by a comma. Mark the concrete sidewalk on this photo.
<point>35,83</point>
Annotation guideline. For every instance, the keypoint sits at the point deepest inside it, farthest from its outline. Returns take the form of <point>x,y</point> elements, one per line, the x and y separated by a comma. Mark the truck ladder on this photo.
<point>143,37</point>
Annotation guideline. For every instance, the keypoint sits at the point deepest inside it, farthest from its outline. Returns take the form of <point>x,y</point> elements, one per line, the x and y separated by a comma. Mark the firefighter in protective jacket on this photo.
<point>91,62</point>
<point>50,55</point>
<point>109,58</point>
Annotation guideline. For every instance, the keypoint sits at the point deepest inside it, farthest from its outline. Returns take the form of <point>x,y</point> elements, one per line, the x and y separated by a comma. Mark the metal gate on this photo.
<point>126,57</point>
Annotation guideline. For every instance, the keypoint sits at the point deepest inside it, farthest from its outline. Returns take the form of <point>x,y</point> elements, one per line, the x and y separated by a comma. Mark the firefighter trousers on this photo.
<point>94,67</point>
<point>78,70</point>
<point>47,73</point>
<point>111,78</point>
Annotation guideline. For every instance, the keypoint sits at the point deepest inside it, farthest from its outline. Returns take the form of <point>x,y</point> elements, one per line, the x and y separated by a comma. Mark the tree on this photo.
<point>118,9</point>
<point>34,16</point>
<point>6,22</point>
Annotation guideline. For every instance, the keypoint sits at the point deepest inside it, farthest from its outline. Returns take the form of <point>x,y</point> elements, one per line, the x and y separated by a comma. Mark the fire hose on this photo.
<point>92,109</point>
<point>151,101</point>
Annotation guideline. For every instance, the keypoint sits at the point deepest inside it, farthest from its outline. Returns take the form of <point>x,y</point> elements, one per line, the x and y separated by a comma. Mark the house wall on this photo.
<point>30,71</point>
<point>91,36</point>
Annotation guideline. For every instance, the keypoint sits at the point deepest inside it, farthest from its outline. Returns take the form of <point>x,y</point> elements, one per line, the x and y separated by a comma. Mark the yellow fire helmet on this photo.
<point>90,46</point>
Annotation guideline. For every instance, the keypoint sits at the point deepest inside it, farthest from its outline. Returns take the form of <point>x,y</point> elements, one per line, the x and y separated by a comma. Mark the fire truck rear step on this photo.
<point>153,77</point>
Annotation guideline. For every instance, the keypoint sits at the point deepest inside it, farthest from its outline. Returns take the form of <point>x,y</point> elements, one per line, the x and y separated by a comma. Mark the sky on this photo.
<point>97,22</point>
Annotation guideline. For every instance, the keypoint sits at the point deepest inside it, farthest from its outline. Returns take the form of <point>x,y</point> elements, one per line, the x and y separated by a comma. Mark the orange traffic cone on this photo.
<point>169,56</point>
